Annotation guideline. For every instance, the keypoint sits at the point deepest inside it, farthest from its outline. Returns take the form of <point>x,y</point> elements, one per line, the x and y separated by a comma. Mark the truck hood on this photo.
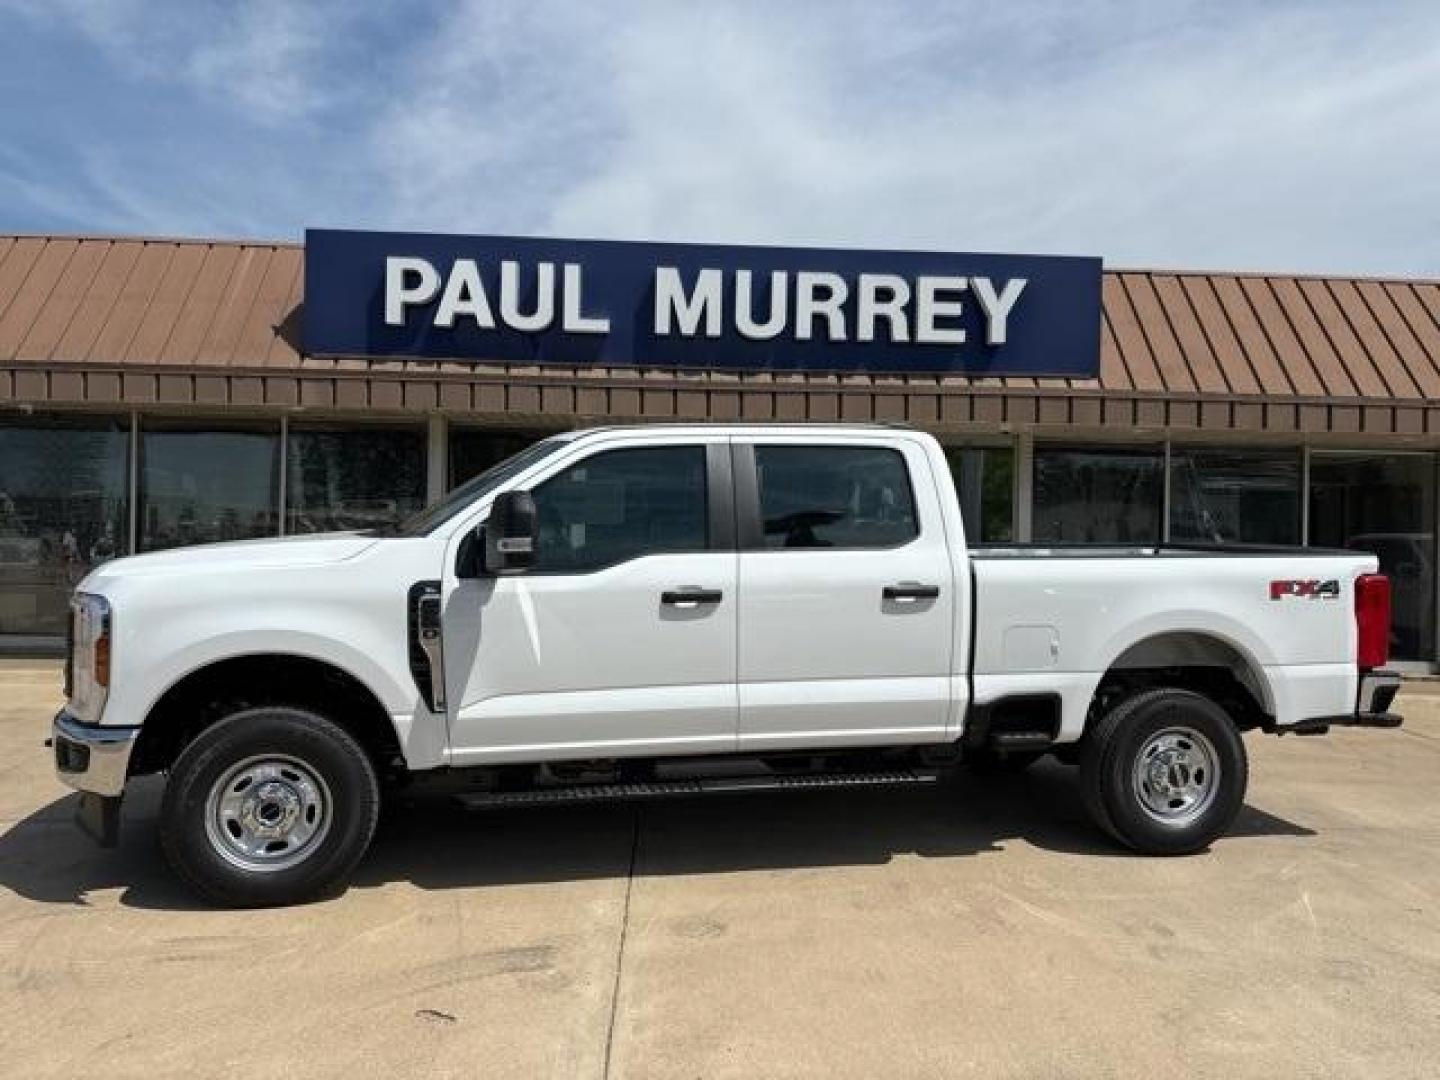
<point>315,549</point>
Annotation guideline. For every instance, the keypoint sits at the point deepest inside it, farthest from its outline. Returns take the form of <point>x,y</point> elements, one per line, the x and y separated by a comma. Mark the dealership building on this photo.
<point>159,392</point>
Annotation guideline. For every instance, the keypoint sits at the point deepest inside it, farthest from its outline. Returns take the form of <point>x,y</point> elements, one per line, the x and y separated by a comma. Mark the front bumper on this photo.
<point>95,761</point>
<point>90,757</point>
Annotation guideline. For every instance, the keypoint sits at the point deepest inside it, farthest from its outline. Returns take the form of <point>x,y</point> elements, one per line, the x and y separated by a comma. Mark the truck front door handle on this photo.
<point>907,592</point>
<point>691,597</point>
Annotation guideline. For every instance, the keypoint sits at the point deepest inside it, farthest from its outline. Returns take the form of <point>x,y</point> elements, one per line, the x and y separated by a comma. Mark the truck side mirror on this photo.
<point>510,533</point>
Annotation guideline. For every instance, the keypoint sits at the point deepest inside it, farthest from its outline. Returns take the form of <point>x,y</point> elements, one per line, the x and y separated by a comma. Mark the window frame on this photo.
<point>458,432</point>
<point>164,424</point>
<point>366,426</point>
<point>1177,451</point>
<point>952,452</point>
<point>94,423</point>
<point>1112,449</point>
<point>749,521</point>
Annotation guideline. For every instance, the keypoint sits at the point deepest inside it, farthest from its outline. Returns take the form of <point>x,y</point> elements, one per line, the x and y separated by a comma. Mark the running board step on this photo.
<point>1021,740</point>
<point>658,789</point>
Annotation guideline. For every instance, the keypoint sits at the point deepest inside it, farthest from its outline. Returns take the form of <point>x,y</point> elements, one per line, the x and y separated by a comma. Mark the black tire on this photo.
<point>1136,803</point>
<point>323,785</point>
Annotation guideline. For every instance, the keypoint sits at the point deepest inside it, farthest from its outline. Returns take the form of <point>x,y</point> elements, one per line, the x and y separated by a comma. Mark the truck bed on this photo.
<point>1282,617</point>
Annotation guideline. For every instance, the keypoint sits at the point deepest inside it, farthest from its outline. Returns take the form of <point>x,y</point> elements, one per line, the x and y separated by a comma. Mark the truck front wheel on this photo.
<point>270,805</point>
<point>1164,771</point>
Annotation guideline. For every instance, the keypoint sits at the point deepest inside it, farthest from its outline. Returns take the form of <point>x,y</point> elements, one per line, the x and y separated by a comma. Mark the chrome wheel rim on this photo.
<point>1177,776</point>
<point>267,813</point>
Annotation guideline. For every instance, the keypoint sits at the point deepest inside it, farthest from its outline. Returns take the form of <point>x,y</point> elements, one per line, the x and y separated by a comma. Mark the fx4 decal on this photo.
<point>1310,589</point>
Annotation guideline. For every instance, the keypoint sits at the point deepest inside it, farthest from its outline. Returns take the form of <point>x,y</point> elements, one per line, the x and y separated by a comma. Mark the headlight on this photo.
<point>90,663</point>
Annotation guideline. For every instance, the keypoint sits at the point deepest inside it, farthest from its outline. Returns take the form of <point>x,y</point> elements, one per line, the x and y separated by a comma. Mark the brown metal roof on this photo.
<point>103,321</point>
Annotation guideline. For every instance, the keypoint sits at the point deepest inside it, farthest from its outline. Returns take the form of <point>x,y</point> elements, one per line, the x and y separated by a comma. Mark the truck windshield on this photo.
<point>474,489</point>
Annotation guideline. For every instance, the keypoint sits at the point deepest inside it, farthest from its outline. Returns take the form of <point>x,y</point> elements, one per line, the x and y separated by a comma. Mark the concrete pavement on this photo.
<point>979,929</point>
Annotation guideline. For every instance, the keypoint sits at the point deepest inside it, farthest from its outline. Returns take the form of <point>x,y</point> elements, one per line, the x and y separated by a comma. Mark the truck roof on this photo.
<point>680,425</point>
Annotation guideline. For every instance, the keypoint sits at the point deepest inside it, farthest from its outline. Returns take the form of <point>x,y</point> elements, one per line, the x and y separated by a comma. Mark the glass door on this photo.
<point>1384,504</point>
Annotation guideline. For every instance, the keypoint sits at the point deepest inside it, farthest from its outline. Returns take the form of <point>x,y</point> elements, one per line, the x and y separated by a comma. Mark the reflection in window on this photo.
<point>1235,496</point>
<point>473,450</point>
<point>622,504</point>
<point>1097,496</point>
<point>1384,504</point>
<point>199,486</point>
<point>62,511</point>
<point>834,496</point>
<point>985,481</point>
<point>352,478</point>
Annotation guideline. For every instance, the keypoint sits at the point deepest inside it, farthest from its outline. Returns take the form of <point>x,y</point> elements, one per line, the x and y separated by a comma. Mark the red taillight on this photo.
<point>1372,620</point>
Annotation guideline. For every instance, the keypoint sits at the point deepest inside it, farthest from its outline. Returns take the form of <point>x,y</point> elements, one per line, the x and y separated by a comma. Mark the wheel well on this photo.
<point>1191,661</point>
<point>216,690</point>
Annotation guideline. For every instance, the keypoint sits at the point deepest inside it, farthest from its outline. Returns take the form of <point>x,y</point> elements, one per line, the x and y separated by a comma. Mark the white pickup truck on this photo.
<point>632,612</point>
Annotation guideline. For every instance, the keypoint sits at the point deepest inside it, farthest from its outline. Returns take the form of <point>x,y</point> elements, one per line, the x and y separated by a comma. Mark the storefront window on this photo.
<point>63,510</point>
<point>1234,496</point>
<point>985,480</point>
<point>352,478</point>
<point>1097,496</point>
<point>198,486</point>
<point>473,450</point>
<point>1384,504</point>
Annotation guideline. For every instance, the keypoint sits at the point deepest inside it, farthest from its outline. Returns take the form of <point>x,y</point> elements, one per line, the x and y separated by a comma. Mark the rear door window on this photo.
<point>834,497</point>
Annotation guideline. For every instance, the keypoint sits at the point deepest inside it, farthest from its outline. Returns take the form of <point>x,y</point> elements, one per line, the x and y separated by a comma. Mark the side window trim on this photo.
<point>750,531</point>
<point>720,492</point>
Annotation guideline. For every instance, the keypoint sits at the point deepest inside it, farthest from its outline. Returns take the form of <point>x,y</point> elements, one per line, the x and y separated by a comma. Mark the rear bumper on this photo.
<point>1377,692</point>
<point>1372,707</point>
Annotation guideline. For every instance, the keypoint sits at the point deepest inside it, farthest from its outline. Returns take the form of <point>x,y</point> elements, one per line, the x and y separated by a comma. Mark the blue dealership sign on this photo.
<point>613,303</point>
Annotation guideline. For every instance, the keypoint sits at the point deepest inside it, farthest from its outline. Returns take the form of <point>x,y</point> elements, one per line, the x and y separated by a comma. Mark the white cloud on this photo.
<point>502,111</point>
<point>1289,135</point>
<point>1284,136</point>
<point>1278,140</point>
<point>263,55</point>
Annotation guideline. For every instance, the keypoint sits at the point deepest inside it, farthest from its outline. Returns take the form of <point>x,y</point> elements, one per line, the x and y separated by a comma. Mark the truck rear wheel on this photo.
<point>1164,772</point>
<point>271,805</point>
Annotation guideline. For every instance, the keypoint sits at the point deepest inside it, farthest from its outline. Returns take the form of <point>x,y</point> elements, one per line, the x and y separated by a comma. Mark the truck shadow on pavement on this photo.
<point>435,844</point>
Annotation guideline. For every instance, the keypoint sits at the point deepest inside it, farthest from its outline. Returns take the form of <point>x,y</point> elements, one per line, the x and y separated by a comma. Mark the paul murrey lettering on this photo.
<point>808,304</point>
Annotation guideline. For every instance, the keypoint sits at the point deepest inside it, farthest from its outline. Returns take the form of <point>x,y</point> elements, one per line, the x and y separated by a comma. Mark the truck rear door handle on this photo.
<point>691,597</point>
<point>907,592</point>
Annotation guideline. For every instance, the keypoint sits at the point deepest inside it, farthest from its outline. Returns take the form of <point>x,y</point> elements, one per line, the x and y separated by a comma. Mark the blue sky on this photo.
<point>1278,135</point>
